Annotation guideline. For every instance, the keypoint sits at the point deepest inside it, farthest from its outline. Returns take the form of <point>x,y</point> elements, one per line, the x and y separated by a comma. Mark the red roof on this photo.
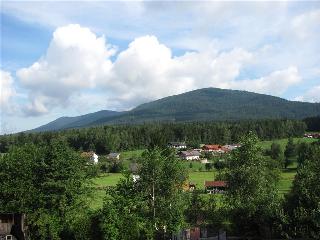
<point>215,184</point>
<point>215,148</point>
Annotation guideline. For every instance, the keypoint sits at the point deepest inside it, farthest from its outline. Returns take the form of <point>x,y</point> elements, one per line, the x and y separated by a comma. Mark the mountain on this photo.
<point>76,122</point>
<point>199,105</point>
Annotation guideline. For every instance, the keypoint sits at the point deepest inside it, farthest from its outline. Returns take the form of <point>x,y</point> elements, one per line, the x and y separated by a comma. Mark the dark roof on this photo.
<point>215,184</point>
<point>190,153</point>
<point>177,143</point>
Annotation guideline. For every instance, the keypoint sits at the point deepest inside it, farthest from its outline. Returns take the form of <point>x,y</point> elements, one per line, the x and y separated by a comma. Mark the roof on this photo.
<point>215,184</point>
<point>215,148</point>
<point>114,154</point>
<point>190,153</point>
<point>87,154</point>
<point>177,143</point>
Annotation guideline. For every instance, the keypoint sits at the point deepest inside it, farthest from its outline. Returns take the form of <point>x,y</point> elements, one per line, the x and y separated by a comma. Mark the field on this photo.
<point>197,174</point>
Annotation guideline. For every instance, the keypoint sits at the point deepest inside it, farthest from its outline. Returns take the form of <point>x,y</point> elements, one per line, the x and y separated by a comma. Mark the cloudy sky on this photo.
<point>62,58</point>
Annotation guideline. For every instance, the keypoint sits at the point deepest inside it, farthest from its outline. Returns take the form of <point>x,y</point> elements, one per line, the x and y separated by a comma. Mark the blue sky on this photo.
<point>62,58</point>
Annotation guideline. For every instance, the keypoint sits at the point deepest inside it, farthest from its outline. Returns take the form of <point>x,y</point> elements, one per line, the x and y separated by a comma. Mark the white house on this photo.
<point>114,155</point>
<point>92,156</point>
<point>190,155</point>
<point>177,145</point>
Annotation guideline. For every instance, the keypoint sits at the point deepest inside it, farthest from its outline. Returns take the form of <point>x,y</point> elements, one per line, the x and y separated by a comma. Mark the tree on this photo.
<point>150,207</point>
<point>252,195</point>
<point>48,183</point>
<point>275,151</point>
<point>289,152</point>
<point>302,206</point>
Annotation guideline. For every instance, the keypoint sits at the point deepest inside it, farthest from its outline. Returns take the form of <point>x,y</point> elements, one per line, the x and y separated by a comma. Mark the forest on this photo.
<point>105,139</point>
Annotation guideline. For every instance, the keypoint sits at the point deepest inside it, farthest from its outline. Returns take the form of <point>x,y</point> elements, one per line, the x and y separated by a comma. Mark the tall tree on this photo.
<point>48,183</point>
<point>289,152</point>
<point>303,202</point>
<point>252,194</point>
<point>154,202</point>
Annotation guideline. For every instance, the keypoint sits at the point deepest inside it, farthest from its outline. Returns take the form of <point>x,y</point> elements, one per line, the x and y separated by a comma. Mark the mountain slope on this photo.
<point>75,122</point>
<point>204,105</point>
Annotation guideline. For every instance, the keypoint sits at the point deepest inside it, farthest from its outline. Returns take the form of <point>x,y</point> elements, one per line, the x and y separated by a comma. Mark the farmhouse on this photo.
<point>12,225</point>
<point>190,155</point>
<point>214,148</point>
<point>114,155</point>
<point>177,145</point>
<point>213,187</point>
<point>231,147</point>
<point>312,135</point>
<point>92,156</point>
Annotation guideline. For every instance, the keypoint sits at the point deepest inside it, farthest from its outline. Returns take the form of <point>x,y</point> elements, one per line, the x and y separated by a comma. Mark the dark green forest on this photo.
<point>104,139</point>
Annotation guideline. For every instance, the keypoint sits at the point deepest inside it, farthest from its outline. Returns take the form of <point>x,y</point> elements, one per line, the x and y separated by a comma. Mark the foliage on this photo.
<point>303,203</point>
<point>105,139</point>
<point>252,194</point>
<point>48,183</point>
<point>150,207</point>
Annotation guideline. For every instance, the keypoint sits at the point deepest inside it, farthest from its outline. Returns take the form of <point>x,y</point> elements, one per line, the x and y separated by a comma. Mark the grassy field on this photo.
<point>283,142</point>
<point>196,173</point>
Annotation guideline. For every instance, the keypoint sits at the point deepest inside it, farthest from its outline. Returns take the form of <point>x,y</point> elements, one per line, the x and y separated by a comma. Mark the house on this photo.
<point>213,187</point>
<point>92,156</point>
<point>190,155</point>
<point>231,147</point>
<point>177,145</point>
<point>12,226</point>
<point>214,148</point>
<point>189,186</point>
<point>114,155</point>
<point>312,135</point>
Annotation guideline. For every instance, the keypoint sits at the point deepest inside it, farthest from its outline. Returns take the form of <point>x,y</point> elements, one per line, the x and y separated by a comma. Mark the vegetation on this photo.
<point>208,104</point>
<point>132,137</point>
<point>44,177</point>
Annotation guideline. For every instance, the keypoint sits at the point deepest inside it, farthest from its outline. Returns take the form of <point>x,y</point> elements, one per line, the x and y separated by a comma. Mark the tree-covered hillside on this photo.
<point>208,104</point>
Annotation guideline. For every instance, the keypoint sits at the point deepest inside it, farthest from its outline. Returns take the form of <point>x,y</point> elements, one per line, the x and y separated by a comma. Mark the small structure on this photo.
<point>92,156</point>
<point>189,186</point>
<point>204,160</point>
<point>312,135</point>
<point>213,187</point>
<point>190,155</point>
<point>114,155</point>
<point>135,178</point>
<point>231,147</point>
<point>214,148</point>
<point>177,145</point>
<point>12,226</point>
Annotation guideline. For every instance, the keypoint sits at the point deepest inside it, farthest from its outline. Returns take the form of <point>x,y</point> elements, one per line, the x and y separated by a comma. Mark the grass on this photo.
<point>283,142</point>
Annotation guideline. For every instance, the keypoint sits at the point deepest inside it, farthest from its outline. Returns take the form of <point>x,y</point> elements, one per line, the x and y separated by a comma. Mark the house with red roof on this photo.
<point>213,187</point>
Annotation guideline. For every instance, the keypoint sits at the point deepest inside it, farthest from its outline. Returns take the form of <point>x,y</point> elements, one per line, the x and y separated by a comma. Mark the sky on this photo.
<point>61,58</point>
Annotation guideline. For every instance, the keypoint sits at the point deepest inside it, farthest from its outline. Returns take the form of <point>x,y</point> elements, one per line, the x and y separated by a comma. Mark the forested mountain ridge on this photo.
<point>207,104</point>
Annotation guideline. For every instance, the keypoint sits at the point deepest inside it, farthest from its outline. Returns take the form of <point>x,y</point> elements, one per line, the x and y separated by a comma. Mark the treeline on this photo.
<point>104,139</point>
<point>313,123</point>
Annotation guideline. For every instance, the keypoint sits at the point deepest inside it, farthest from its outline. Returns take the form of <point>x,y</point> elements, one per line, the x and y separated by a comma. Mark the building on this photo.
<point>231,147</point>
<point>215,149</point>
<point>177,145</point>
<point>114,155</point>
<point>312,135</point>
<point>12,226</point>
<point>213,187</point>
<point>92,156</point>
<point>190,155</point>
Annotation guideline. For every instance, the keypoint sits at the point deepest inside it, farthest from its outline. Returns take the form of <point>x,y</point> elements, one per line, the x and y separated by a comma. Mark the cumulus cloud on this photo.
<point>275,83</point>
<point>306,25</point>
<point>76,59</point>
<point>7,89</point>
<point>312,95</point>
<point>77,62</point>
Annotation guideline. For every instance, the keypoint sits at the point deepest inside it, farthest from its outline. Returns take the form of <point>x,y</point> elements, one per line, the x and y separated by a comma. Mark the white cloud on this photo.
<point>306,25</point>
<point>76,60</point>
<point>7,89</point>
<point>312,95</point>
<point>276,83</point>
